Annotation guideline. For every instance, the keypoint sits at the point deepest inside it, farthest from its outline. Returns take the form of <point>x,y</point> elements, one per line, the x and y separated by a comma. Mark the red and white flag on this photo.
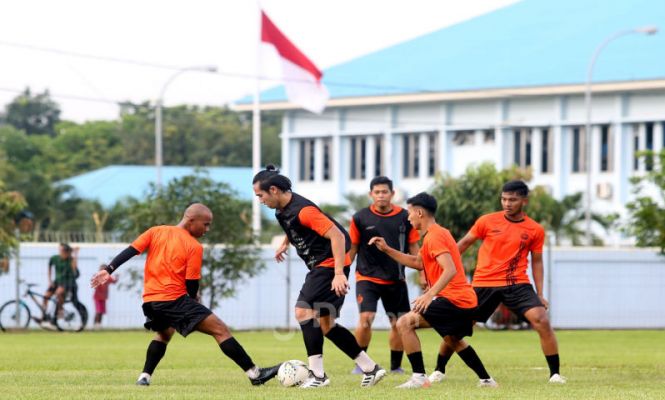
<point>302,79</point>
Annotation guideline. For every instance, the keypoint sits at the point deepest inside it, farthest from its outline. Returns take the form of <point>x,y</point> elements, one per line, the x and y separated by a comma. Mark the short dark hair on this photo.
<point>424,200</point>
<point>66,247</point>
<point>381,180</point>
<point>516,186</point>
<point>271,177</point>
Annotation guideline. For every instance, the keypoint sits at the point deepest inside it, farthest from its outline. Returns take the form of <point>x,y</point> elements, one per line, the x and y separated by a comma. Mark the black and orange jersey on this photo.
<point>503,256</point>
<point>372,264</point>
<point>305,224</point>
<point>174,256</point>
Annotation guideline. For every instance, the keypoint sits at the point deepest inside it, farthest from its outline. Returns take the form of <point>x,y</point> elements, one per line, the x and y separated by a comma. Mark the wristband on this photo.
<point>109,268</point>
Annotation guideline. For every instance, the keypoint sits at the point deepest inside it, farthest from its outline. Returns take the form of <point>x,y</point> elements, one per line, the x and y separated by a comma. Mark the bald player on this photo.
<point>170,292</point>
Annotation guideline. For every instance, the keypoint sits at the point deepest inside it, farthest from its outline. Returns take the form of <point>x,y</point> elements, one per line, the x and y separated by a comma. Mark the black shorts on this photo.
<point>517,298</point>
<point>183,314</point>
<point>68,286</point>
<point>448,319</point>
<point>395,297</point>
<point>315,293</point>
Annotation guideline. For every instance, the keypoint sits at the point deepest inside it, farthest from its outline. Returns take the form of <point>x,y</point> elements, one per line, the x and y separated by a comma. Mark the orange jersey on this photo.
<point>503,256</point>
<point>314,219</point>
<point>438,241</point>
<point>173,257</point>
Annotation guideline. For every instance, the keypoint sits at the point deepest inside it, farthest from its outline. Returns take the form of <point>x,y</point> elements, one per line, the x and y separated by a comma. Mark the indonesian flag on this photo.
<point>302,79</point>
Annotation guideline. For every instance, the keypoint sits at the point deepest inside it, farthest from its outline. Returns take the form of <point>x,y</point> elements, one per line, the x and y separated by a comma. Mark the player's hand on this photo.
<point>75,250</point>
<point>281,252</point>
<point>379,242</point>
<point>340,285</point>
<point>99,278</point>
<point>543,300</point>
<point>421,303</point>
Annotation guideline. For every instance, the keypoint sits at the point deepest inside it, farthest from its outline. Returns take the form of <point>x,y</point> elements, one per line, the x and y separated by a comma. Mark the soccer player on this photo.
<point>65,264</point>
<point>377,275</point>
<point>448,305</point>
<point>322,243</point>
<point>501,272</point>
<point>170,292</point>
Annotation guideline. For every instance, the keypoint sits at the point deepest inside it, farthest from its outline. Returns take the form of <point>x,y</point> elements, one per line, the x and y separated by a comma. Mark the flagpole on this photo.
<point>256,131</point>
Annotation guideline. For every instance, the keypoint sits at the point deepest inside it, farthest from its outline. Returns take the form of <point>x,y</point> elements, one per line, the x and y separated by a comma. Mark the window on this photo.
<point>579,149</point>
<point>606,148</point>
<point>636,146</point>
<point>546,150</point>
<point>378,158</point>
<point>410,155</point>
<point>432,153</point>
<point>327,159</point>
<point>358,149</point>
<point>307,160</point>
<point>648,138</point>
<point>464,138</point>
<point>488,136</point>
<point>522,147</point>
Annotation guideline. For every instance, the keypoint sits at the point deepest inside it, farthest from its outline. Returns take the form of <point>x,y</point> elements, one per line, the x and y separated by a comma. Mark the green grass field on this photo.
<point>95,365</point>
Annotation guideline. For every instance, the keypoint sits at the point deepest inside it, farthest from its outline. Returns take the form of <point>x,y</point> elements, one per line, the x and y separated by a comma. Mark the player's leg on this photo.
<point>367,297</point>
<point>471,359</point>
<point>60,292</point>
<point>395,299</point>
<point>47,297</point>
<point>406,326</point>
<point>154,354</point>
<point>442,358</point>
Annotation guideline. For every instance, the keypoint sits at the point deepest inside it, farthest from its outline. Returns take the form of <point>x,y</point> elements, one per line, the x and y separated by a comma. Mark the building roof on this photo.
<point>528,44</point>
<point>112,183</point>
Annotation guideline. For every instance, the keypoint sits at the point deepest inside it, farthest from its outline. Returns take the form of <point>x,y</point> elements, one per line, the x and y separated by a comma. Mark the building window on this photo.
<point>579,149</point>
<point>464,138</point>
<point>307,160</point>
<point>488,136</point>
<point>378,158</point>
<point>432,153</point>
<point>358,149</point>
<point>522,147</point>
<point>648,139</point>
<point>410,155</point>
<point>327,159</point>
<point>546,151</point>
<point>606,149</point>
<point>636,146</point>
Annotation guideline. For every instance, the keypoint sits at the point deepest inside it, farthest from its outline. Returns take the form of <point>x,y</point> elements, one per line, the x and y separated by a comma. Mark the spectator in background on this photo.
<point>100,296</point>
<point>65,265</point>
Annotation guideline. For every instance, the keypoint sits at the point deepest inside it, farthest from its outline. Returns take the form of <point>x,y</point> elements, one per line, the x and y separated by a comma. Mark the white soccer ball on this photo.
<point>292,373</point>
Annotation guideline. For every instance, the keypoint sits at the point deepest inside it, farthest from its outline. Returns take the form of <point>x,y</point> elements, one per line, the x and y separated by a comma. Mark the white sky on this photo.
<point>223,33</point>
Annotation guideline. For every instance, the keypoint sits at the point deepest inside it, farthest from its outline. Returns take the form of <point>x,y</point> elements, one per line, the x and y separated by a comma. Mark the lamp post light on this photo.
<point>159,160</point>
<point>646,30</point>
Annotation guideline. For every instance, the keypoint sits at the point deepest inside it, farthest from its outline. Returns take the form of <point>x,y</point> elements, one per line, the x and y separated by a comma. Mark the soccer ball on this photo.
<point>292,373</point>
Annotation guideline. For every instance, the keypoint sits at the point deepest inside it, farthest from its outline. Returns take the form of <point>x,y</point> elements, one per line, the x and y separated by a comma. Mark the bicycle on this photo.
<point>72,317</point>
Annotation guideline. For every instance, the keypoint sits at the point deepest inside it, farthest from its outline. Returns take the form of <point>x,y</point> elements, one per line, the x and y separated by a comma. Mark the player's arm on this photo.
<point>192,288</point>
<point>338,245</point>
<point>353,251</point>
<point>537,271</point>
<point>50,267</point>
<point>466,241</point>
<point>193,271</point>
<point>445,261</point>
<point>354,234</point>
<point>75,259</point>
<point>409,260</point>
<point>282,249</point>
<point>104,275</point>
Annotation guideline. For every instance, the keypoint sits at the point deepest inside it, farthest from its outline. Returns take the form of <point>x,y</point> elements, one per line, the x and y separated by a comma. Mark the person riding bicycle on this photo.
<point>65,265</point>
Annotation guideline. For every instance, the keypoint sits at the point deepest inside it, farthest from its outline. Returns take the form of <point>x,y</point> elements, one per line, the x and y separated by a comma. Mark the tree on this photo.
<point>646,213</point>
<point>11,204</point>
<point>34,114</point>
<point>223,266</point>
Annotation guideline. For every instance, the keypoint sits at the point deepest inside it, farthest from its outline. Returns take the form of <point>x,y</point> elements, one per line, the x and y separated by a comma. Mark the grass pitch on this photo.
<point>104,365</point>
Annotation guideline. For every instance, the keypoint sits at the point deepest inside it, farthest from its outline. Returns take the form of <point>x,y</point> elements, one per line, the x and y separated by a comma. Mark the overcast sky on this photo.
<point>182,33</point>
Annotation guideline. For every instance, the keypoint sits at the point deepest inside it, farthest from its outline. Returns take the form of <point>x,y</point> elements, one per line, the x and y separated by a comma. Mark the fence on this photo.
<point>588,288</point>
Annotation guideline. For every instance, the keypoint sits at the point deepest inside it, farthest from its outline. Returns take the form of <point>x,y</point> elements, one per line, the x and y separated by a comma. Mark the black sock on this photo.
<point>396,358</point>
<point>364,348</point>
<point>313,337</point>
<point>344,340</point>
<point>471,359</point>
<point>442,361</point>
<point>156,351</point>
<point>233,350</point>
<point>417,363</point>
<point>553,363</point>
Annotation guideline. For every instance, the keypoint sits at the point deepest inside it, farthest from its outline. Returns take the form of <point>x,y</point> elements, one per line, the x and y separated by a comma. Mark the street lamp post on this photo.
<point>23,223</point>
<point>159,159</point>
<point>647,30</point>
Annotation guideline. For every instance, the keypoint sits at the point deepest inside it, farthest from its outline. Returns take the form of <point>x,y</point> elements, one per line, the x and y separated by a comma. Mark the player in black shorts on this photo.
<point>378,277</point>
<point>322,243</point>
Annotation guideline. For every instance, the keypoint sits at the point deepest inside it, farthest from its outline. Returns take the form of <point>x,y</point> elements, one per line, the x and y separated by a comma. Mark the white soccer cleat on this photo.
<point>373,377</point>
<point>314,382</point>
<point>417,381</point>
<point>556,378</point>
<point>437,376</point>
<point>491,383</point>
<point>143,380</point>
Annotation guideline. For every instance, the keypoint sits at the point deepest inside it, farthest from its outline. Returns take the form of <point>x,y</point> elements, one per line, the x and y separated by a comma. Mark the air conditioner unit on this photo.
<point>604,191</point>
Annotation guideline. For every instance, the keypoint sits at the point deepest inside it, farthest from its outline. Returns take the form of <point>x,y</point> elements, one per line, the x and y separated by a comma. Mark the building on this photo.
<point>506,87</point>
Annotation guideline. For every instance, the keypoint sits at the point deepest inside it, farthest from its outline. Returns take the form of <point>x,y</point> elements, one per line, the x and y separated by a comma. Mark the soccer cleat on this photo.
<point>144,380</point>
<point>314,382</point>
<point>491,383</point>
<point>556,378</point>
<point>357,370</point>
<point>265,374</point>
<point>437,376</point>
<point>48,325</point>
<point>417,381</point>
<point>373,377</point>
<point>398,371</point>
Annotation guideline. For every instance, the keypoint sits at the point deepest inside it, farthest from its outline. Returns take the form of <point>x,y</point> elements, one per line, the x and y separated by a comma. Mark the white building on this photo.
<point>506,87</point>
